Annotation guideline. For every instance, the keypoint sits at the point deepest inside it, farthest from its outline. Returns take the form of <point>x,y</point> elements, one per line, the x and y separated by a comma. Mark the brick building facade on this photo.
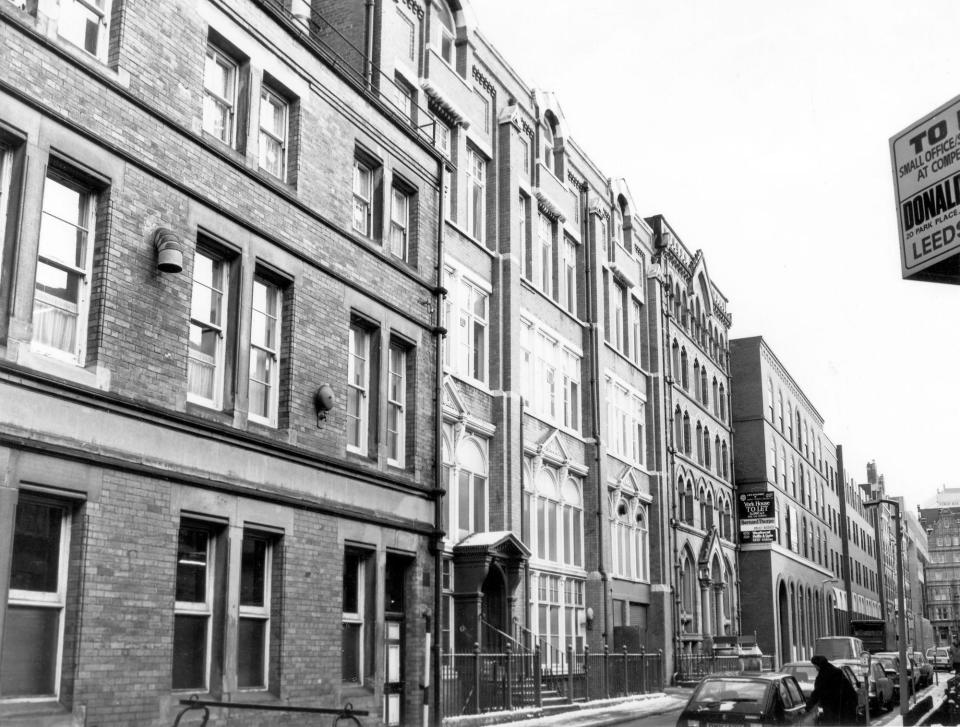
<point>796,584</point>
<point>218,367</point>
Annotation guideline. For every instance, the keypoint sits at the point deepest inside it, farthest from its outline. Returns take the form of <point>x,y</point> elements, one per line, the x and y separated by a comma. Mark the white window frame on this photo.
<point>568,280</point>
<point>358,349</point>
<point>456,469</point>
<point>626,421</point>
<point>219,355</point>
<point>259,613</point>
<point>619,329</point>
<point>45,599</point>
<point>571,390</point>
<point>100,9</point>
<point>545,234</point>
<point>397,402</point>
<point>526,261</point>
<point>357,617</point>
<point>87,215</point>
<point>444,138</point>
<point>403,98</point>
<point>476,195</point>
<point>400,203</point>
<point>272,100</point>
<point>637,316</point>
<point>6,164</point>
<point>206,608</point>
<point>272,352</point>
<point>363,191</point>
<point>229,102</point>
<point>468,320</point>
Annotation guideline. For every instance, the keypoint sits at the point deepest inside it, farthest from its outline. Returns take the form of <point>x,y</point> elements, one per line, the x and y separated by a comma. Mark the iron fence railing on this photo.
<point>484,682</point>
<point>696,666</point>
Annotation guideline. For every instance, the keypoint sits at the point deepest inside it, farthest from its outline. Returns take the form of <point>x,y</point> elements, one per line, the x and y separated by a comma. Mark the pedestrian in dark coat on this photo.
<point>955,656</point>
<point>834,693</point>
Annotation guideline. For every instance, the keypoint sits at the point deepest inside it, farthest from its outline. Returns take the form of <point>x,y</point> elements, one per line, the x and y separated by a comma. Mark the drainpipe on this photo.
<point>368,54</point>
<point>523,525</point>
<point>438,484</point>
<point>591,311</point>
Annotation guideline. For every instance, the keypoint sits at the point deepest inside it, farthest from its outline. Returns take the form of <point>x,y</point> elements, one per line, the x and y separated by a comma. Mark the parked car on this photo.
<point>891,666</point>
<point>857,685</point>
<point>924,669</point>
<point>761,699</point>
<point>911,671</point>
<point>804,672</point>
<point>879,685</point>
<point>838,647</point>
<point>939,656</point>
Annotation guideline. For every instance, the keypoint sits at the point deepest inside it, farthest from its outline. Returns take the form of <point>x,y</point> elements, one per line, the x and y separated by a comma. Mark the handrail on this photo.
<point>549,654</point>
<point>346,712</point>
<point>520,647</point>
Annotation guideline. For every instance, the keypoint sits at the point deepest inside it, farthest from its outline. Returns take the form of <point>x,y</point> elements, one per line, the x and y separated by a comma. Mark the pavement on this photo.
<point>613,711</point>
<point>937,693</point>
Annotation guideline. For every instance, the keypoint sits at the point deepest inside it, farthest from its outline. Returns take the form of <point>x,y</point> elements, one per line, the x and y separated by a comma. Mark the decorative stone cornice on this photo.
<point>415,7</point>
<point>527,129</point>
<point>548,206</point>
<point>510,114</point>
<point>484,82</point>
<point>448,109</point>
<point>578,183</point>
<point>598,208</point>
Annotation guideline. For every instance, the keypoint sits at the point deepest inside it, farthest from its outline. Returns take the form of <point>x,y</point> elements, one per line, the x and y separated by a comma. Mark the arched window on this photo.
<point>548,138</point>
<point>684,317</point>
<point>677,306</point>
<point>727,520</point>
<point>684,377</point>
<point>642,542</point>
<point>699,444</point>
<point>706,447</point>
<point>780,409</point>
<point>726,461</point>
<point>696,381</point>
<point>469,499</point>
<point>716,399</point>
<point>572,518</point>
<point>678,428</point>
<point>803,486</point>
<point>783,469</point>
<point>723,404</point>
<point>704,509</point>
<point>675,351</point>
<point>798,427</point>
<point>790,421</point>
<point>710,512</point>
<point>687,445</point>
<point>773,463</point>
<point>770,398</point>
<point>688,593</point>
<point>793,476</point>
<point>803,535</point>
<point>444,32</point>
<point>547,508</point>
<point>719,455</point>
<point>688,503</point>
<point>704,392</point>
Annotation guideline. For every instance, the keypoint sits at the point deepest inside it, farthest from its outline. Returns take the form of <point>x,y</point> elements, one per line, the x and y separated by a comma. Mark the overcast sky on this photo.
<point>761,130</point>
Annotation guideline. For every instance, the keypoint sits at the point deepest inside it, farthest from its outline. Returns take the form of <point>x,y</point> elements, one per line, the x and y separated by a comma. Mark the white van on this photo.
<point>838,647</point>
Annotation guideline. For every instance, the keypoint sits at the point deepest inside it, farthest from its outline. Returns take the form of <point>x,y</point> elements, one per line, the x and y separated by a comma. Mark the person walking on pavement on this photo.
<point>955,656</point>
<point>833,692</point>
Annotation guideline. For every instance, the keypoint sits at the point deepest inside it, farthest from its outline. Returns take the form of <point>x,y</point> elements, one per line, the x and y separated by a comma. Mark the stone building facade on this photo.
<point>219,346</point>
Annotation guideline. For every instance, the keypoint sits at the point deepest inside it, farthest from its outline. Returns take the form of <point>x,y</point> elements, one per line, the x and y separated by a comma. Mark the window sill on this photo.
<point>47,712</point>
<point>94,376</point>
<point>202,411</point>
<point>349,689</point>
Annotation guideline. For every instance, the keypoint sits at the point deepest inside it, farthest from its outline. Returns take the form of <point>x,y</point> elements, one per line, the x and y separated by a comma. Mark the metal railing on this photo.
<point>345,714</point>
<point>343,54</point>
<point>692,667</point>
<point>481,682</point>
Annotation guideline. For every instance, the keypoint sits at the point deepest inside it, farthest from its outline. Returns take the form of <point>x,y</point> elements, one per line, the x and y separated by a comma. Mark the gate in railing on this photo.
<point>484,682</point>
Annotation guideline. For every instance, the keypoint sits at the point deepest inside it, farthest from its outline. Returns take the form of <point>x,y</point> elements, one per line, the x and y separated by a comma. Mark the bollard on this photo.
<point>586,669</point>
<point>476,678</point>
<point>509,672</point>
<point>606,671</point>
<point>643,670</point>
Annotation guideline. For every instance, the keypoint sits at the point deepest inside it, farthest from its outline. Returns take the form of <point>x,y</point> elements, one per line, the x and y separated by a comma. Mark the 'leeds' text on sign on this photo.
<point>926,180</point>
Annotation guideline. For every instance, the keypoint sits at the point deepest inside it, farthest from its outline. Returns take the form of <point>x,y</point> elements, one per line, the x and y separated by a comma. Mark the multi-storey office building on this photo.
<point>793,591</point>
<point>916,558</point>
<point>218,337</point>
<point>942,525</point>
<point>884,521</point>
<point>859,563</point>
<point>694,510</point>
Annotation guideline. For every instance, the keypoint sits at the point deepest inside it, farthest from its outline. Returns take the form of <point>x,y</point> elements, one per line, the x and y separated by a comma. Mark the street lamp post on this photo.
<point>901,610</point>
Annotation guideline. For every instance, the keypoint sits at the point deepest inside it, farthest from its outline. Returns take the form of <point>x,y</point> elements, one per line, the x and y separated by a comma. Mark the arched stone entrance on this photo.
<point>783,616</point>
<point>488,568</point>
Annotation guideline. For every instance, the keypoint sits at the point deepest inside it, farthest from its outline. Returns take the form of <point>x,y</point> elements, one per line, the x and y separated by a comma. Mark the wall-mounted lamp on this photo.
<point>169,250</point>
<point>589,615</point>
<point>323,401</point>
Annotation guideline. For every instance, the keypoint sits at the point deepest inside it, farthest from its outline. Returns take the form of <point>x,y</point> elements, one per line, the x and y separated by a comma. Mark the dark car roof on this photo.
<point>767,676</point>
